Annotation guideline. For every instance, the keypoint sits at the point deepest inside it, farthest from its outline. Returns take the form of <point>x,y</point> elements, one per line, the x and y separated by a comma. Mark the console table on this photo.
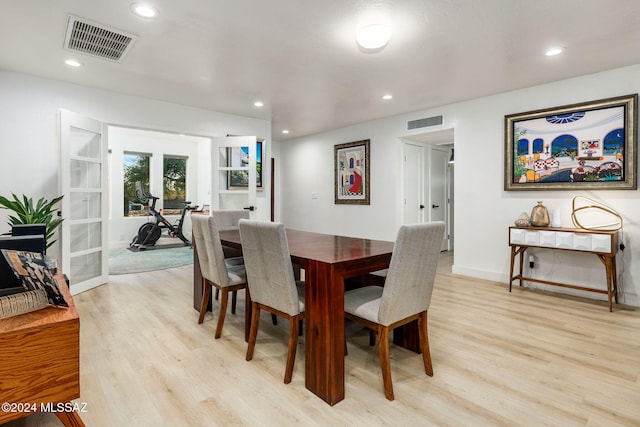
<point>40,362</point>
<point>602,244</point>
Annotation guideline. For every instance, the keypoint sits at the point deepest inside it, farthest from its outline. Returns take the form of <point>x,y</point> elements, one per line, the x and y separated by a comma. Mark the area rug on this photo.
<point>125,261</point>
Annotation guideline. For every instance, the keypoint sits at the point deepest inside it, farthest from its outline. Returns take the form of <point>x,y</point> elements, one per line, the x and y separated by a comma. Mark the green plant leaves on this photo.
<point>43,212</point>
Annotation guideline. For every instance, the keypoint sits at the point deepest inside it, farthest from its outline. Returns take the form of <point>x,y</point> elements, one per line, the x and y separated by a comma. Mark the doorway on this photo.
<point>428,180</point>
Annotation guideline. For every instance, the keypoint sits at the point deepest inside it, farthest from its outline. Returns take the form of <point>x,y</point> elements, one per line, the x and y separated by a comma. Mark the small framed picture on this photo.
<point>351,173</point>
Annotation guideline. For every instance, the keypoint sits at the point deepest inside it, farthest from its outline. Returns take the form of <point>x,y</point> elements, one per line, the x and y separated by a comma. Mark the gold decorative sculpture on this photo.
<point>613,220</point>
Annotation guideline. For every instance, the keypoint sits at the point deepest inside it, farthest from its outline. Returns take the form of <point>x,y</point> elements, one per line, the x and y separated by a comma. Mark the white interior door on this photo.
<point>438,172</point>
<point>83,181</point>
<point>413,194</point>
<point>235,181</point>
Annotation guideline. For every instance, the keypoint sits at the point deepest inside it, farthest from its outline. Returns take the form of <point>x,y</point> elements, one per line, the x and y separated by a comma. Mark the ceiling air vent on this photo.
<point>424,123</point>
<point>97,40</point>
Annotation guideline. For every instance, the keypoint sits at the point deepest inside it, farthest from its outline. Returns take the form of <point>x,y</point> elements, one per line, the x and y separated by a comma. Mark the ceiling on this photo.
<point>300,57</point>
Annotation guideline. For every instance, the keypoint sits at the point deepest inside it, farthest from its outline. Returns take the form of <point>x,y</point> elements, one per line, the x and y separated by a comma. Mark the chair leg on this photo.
<point>274,319</point>
<point>385,364</point>
<point>205,300</point>
<point>223,312</point>
<point>291,351</point>
<point>424,343</point>
<point>234,297</point>
<point>253,332</point>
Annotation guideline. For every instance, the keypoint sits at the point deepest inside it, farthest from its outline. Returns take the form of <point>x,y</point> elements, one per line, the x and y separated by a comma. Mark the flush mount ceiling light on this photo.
<point>554,51</point>
<point>143,10</point>
<point>387,97</point>
<point>285,131</point>
<point>373,36</point>
<point>258,104</point>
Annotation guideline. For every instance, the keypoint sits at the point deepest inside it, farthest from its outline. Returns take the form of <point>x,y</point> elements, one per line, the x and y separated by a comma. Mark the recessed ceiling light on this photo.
<point>258,104</point>
<point>73,63</point>
<point>554,51</point>
<point>143,10</point>
<point>387,97</point>
<point>373,36</point>
<point>285,131</point>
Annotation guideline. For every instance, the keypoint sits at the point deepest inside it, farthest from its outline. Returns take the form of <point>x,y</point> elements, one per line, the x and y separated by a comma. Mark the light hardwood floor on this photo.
<point>522,358</point>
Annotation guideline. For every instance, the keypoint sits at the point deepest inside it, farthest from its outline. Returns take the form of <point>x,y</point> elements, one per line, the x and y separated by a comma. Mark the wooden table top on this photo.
<point>326,248</point>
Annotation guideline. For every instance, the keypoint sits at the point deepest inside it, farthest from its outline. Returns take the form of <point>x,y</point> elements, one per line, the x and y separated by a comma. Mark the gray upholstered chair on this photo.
<point>225,275</point>
<point>272,286</point>
<point>228,220</point>
<point>406,294</point>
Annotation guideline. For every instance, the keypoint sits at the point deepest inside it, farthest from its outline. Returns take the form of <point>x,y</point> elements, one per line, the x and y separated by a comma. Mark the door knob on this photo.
<point>250,208</point>
<point>434,206</point>
<point>421,206</point>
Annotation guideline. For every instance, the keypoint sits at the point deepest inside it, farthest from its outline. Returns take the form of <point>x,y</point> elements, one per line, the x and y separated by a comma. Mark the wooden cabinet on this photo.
<point>40,362</point>
<point>603,244</point>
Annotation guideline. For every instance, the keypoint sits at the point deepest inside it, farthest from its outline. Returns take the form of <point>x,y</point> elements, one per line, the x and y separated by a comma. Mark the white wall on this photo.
<point>483,210</point>
<point>29,137</point>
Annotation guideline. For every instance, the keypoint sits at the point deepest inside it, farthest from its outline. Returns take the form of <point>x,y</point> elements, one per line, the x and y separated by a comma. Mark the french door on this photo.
<point>83,182</point>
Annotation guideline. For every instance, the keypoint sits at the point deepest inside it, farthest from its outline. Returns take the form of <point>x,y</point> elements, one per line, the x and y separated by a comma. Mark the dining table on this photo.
<point>328,261</point>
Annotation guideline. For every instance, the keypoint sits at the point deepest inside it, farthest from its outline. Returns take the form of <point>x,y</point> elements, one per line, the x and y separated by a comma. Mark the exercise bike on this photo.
<point>150,232</point>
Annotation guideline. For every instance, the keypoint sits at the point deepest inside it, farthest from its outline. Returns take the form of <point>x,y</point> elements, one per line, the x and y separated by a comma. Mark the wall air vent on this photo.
<point>97,40</point>
<point>425,123</point>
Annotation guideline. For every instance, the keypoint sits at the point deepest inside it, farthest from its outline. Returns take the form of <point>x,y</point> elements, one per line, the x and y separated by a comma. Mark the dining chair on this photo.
<point>405,296</point>
<point>226,275</point>
<point>271,282</point>
<point>228,220</point>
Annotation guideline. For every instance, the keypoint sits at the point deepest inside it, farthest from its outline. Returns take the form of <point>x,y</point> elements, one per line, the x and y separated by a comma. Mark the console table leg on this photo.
<point>614,278</point>
<point>610,273</point>
<point>513,259</point>
<point>521,250</point>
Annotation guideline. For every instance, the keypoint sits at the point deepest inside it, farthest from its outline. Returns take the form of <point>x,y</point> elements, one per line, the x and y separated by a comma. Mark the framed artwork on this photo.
<point>238,157</point>
<point>587,146</point>
<point>351,173</point>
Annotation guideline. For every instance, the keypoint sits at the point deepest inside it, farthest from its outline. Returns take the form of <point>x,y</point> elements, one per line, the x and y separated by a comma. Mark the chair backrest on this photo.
<point>268,264</point>
<point>209,247</point>
<point>228,219</point>
<point>409,283</point>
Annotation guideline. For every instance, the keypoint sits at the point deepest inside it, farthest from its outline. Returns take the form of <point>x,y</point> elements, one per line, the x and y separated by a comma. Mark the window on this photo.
<point>136,168</point>
<point>174,184</point>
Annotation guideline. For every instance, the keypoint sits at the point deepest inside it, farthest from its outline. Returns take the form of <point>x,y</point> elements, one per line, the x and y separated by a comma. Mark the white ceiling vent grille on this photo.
<point>97,40</point>
<point>425,123</point>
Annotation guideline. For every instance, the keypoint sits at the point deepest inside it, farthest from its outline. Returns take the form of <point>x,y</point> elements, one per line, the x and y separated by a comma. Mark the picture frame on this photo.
<point>239,179</point>
<point>585,146</point>
<point>351,173</point>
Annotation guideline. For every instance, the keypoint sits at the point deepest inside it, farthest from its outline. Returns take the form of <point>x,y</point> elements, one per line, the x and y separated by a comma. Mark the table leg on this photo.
<point>407,336</point>
<point>324,332</point>
<point>513,259</point>
<point>609,273</point>
<point>614,278</point>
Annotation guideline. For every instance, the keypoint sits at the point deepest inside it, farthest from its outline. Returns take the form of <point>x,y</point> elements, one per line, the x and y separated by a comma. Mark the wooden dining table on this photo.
<point>328,261</point>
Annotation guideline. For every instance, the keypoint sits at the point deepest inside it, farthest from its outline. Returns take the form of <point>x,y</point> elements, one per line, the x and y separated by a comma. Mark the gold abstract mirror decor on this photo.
<point>591,215</point>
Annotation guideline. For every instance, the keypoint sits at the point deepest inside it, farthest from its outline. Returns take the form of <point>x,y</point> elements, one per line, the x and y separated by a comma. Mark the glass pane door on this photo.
<point>83,181</point>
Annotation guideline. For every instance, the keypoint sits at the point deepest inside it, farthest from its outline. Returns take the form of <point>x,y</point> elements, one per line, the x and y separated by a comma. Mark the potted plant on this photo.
<point>27,213</point>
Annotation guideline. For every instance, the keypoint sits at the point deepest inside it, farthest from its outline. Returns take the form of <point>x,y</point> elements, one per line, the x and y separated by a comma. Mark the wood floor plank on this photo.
<point>527,357</point>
